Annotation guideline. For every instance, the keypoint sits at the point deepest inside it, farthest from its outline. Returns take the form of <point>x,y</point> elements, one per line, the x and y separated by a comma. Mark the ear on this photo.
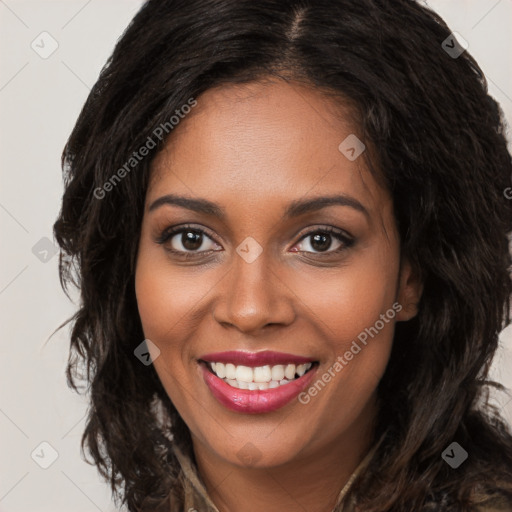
<point>410,288</point>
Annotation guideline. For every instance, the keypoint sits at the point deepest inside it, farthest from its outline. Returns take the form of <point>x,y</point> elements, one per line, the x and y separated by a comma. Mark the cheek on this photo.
<point>347,306</point>
<point>165,298</point>
<point>351,299</point>
<point>358,342</point>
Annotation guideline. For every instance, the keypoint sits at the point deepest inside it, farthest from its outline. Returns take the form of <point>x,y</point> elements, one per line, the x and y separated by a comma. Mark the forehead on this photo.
<point>273,141</point>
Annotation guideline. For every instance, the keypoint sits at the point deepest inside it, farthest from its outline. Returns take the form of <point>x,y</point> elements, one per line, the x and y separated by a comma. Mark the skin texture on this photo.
<point>253,149</point>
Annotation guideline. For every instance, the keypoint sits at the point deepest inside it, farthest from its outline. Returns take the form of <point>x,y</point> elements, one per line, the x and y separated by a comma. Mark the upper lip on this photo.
<point>253,359</point>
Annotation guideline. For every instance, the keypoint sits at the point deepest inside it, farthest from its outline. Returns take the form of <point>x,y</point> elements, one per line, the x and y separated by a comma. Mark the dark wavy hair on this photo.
<point>438,145</point>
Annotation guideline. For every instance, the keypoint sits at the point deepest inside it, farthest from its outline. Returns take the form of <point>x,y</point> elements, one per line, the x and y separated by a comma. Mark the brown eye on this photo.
<point>323,241</point>
<point>191,240</point>
<point>186,240</point>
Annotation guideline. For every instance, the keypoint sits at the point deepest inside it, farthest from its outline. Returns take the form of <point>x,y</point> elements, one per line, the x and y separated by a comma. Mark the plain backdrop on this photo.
<point>51,55</point>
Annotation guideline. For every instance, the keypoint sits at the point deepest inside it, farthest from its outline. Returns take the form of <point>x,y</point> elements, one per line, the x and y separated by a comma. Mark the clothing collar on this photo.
<point>196,496</point>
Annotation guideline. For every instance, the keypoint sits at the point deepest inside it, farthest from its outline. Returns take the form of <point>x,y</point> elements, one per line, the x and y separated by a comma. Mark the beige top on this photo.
<point>197,499</point>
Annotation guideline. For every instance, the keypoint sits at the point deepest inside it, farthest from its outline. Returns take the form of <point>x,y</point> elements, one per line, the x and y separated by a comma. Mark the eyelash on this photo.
<point>339,235</point>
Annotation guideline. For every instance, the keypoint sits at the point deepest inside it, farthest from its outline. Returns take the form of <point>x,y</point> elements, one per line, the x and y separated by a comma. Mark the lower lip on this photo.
<point>256,401</point>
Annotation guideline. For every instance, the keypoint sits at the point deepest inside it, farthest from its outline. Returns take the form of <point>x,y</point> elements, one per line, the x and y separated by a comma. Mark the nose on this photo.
<point>253,297</point>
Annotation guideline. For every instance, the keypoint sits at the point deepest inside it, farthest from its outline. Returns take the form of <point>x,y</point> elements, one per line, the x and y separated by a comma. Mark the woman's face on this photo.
<point>267,288</point>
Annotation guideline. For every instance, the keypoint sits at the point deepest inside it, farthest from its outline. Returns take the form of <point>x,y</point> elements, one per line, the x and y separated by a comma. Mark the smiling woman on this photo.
<point>315,259</point>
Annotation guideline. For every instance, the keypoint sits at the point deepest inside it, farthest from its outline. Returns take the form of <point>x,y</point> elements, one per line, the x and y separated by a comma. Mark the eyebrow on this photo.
<point>294,209</point>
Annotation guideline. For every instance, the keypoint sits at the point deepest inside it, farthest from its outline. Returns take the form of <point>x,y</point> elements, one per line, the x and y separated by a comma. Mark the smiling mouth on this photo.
<point>259,377</point>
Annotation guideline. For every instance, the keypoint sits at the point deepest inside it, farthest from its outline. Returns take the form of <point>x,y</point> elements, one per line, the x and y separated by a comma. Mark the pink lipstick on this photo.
<point>256,382</point>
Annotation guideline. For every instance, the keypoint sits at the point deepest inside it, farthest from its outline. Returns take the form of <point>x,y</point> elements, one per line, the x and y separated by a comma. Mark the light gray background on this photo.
<point>40,100</point>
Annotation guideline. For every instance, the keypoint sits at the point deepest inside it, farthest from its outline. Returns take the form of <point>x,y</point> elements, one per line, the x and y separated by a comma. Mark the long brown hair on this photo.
<point>441,149</point>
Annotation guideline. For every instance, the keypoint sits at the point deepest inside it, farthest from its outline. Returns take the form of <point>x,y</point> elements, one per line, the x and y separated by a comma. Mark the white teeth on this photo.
<point>301,369</point>
<point>278,372</point>
<point>260,377</point>
<point>242,384</point>
<point>262,374</point>
<point>289,371</point>
<point>220,370</point>
<point>244,373</point>
<point>230,371</point>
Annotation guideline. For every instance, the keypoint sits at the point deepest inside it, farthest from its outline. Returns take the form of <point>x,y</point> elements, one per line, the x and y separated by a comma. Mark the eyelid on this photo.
<point>341,235</point>
<point>319,228</point>
<point>169,232</point>
<point>187,256</point>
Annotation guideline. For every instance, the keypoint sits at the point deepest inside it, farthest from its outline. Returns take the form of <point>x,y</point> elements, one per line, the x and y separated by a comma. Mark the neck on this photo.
<point>311,482</point>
